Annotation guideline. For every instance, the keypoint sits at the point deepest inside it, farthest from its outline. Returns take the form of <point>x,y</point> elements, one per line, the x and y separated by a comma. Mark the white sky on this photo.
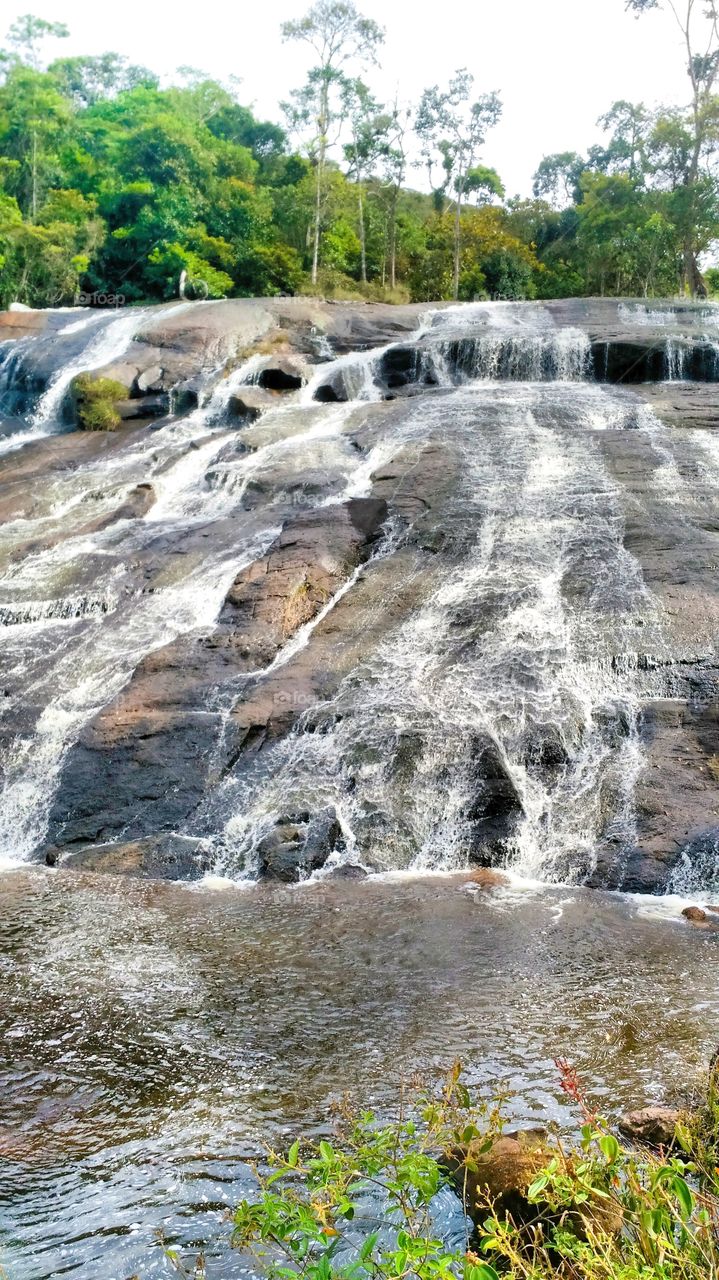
<point>558,64</point>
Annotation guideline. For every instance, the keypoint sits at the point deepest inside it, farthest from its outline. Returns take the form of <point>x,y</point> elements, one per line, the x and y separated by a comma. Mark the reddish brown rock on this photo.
<point>654,1126</point>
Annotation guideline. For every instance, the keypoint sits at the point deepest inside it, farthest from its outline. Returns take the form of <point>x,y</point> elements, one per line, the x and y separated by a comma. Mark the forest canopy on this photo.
<point>113,188</point>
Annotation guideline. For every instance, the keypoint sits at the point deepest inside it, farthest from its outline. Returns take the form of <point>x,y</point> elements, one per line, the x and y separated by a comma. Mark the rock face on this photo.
<point>420,619</point>
<point>144,763</point>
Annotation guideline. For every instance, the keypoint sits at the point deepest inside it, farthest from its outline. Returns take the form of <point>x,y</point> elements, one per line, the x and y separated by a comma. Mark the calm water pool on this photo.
<point>154,1036</point>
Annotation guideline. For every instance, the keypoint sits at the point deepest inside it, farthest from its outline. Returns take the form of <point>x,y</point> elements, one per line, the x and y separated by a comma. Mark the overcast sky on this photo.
<point>558,64</point>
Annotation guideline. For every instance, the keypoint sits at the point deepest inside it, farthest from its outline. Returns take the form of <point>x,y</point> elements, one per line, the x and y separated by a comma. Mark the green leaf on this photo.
<point>293,1155</point>
<point>482,1271</point>
<point>610,1147</point>
<point>537,1186</point>
<point>684,1196</point>
<point>367,1246</point>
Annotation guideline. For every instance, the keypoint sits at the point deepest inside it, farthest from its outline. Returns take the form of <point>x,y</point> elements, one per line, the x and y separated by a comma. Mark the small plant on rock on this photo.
<point>95,402</point>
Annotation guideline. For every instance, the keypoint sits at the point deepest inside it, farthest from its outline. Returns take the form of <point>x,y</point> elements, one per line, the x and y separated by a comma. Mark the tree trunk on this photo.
<point>457,237</point>
<point>323,122</point>
<point>318,221</point>
<point>34,175</point>
<point>362,233</point>
<point>393,242</point>
<point>694,278</point>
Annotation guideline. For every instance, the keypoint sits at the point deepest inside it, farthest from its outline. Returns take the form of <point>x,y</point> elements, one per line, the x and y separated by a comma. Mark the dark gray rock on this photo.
<point>298,845</point>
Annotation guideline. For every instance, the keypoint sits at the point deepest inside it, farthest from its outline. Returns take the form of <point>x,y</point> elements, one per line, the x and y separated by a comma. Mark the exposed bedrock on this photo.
<point>473,622</point>
<point>143,764</point>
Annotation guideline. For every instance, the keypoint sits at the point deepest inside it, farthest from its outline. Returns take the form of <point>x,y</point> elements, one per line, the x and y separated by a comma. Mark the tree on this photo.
<point>698,22</point>
<point>484,184</point>
<point>337,34</point>
<point>448,124</point>
<point>394,171</point>
<point>86,80</point>
<point>28,34</point>
<point>368,126</point>
<point>557,179</point>
<point>34,121</point>
<point>625,152</point>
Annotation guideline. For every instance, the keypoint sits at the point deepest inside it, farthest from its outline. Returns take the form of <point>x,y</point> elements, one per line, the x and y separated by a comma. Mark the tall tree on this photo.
<point>28,34</point>
<point>368,130</point>
<point>455,128</point>
<point>338,34</point>
<point>698,22</point>
<point>557,179</point>
<point>394,172</point>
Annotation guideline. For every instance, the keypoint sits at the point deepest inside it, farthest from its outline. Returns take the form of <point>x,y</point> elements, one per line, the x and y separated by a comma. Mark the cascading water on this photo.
<point>496,719</point>
<point>496,662</point>
<point>516,666</point>
<point>504,342</point>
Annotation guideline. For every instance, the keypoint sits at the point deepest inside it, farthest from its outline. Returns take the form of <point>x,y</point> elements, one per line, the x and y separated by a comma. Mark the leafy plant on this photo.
<point>364,1205</point>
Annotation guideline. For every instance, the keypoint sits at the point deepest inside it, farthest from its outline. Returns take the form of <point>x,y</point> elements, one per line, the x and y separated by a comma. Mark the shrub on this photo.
<point>95,401</point>
<point>598,1209</point>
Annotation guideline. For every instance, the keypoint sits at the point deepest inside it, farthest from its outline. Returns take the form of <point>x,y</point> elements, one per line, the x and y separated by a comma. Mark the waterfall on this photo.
<point>487,704</point>
<point>496,660</point>
<point>109,344</point>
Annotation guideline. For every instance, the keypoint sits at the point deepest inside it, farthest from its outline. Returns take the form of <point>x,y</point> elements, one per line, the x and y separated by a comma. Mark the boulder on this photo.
<point>486,878</point>
<point>499,1172</point>
<point>347,871</point>
<point>654,1126</point>
<point>156,406</point>
<point>298,845</point>
<point>161,857</point>
<point>250,402</point>
<point>149,380</point>
<point>283,373</point>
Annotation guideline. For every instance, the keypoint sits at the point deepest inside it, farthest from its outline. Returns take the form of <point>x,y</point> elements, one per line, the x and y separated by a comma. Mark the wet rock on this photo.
<point>149,380</point>
<point>299,845</point>
<point>333,389</point>
<point>701,919</point>
<point>486,878</point>
<point>496,807</point>
<point>250,402</point>
<point>144,762</point>
<point>654,1126</point>
<point>695,915</point>
<point>676,804</point>
<point>161,857</point>
<point>399,367</point>
<point>283,373</point>
<point>155,406</point>
<point>347,871</point>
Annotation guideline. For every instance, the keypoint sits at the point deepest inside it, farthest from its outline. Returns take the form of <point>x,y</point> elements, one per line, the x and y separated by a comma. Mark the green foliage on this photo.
<point>596,1209</point>
<point>109,184</point>
<point>95,400</point>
